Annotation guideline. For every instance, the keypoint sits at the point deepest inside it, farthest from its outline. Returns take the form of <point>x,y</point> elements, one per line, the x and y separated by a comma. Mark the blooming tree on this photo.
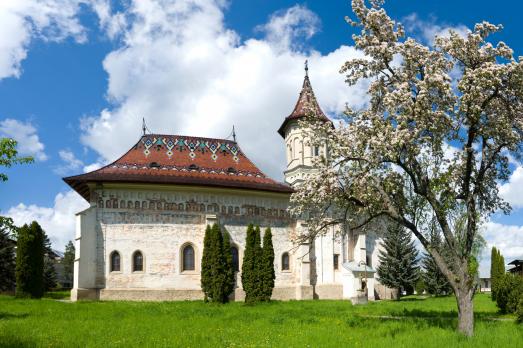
<point>435,139</point>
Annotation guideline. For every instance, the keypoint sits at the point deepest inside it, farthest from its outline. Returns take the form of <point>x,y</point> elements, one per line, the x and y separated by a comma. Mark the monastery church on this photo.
<point>142,236</point>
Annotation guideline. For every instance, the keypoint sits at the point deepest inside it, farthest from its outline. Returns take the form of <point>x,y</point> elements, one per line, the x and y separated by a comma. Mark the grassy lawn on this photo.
<point>412,322</point>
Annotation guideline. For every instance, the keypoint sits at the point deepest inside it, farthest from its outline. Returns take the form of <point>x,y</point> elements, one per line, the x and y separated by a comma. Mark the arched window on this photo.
<point>115,203</point>
<point>122,204</point>
<point>235,259</point>
<point>115,261</point>
<point>285,265</point>
<point>144,205</point>
<point>188,258</point>
<point>136,205</point>
<point>108,203</point>
<point>129,204</point>
<point>137,261</point>
<point>159,206</point>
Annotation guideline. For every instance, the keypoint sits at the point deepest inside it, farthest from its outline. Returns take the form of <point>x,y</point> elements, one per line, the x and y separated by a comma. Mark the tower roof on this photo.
<point>306,105</point>
<point>181,160</point>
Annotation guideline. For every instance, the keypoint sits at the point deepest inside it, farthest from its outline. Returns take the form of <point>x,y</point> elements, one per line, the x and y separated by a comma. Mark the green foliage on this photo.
<point>398,267</point>
<point>268,275</point>
<point>49,270</point>
<point>215,278</point>
<point>252,266</point>
<point>497,270</point>
<point>435,281</point>
<point>9,156</point>
<point>509,292</point>
<point>68,262</point>
<point>230,281</point>
<point>30,261</point>
<point>519,313</point>
<point>249,266</point>
<point>206,263</point>
<point>420,286</point>
<point>7,254</point>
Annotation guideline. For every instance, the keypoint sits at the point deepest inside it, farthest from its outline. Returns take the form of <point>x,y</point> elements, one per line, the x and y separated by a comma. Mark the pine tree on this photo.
<point>68,262</point>
<point>229,269</point>
<point>49,270</point>
<point>30,261</point>
<point>268,274</point>
<point>248,265</point>
<point>206,268</point>
<point>398,260</point>
<point>7,255</point>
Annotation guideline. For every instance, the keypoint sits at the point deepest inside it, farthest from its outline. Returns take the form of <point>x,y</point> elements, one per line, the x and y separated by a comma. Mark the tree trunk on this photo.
<point>464,296</point>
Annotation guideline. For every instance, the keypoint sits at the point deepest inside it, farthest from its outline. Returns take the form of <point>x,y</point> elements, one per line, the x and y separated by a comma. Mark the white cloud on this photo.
<point>507,238</point>
<point>428,30</point>
<point>26,136</point>
<point>512,191</point>
<point>23,20</point>
<point>71,163</point>
<point>286,29</point>
<point>186,73</point>
<point>58,221</point>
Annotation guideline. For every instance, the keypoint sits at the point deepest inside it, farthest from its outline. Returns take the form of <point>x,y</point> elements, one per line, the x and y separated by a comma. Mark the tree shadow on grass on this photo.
<point>11,341</point>
<point>7,316</point>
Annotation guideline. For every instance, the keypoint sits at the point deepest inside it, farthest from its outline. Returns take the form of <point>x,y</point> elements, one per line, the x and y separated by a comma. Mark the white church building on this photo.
<point>142,236</point>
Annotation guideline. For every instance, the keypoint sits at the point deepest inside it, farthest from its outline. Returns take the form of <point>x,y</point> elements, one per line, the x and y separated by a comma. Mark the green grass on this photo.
<point>414,322</point>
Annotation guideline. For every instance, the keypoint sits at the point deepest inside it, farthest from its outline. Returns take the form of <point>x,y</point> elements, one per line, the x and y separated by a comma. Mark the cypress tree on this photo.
<point>7,255</point>
<point>258,266</point>
<point>497,270</point>
<point>49,270</point>
<point>268,274</point>
<point>248,265</point>
<point>30,261</point>
<point>216,266</point>
<point>229,269</point>
<point>493,272</point>
<point>398,260</point>
<point>206,275</point>
<point>68,262</point>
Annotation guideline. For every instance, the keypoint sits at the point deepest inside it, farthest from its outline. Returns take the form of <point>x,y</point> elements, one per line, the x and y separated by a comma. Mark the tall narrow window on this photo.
<point>137,261</point>
<point>188,258</point>
<point>115,261</point>
<point>285,262</point>
<point>235,259</point>
<point>336,261</point>
<point>316,151</point>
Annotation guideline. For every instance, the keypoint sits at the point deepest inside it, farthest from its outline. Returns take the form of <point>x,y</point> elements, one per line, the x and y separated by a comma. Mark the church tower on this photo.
<point>299,152</point>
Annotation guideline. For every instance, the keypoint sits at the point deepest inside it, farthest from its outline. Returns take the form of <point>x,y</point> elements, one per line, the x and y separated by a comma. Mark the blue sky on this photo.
<point>77,77</point>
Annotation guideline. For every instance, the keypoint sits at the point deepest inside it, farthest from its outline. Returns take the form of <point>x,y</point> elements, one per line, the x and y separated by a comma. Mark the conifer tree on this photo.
<point>398,260</point>
<point>497,270</point>
<point>30,261</point>
<point>49,270</point>
<point>68,262</point>
<point>258,265</point>
<point>229,269</point>
<point>206,268</point>
<point>248,265</point>
<point>268,274</point>
<point>7,255</point>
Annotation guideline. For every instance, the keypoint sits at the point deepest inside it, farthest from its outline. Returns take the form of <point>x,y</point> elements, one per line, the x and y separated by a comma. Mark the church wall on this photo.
<point>178,217</point>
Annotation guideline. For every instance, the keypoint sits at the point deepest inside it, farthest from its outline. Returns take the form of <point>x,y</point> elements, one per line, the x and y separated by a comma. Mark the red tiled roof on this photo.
<point>181,160</point>
<point>306,105</point>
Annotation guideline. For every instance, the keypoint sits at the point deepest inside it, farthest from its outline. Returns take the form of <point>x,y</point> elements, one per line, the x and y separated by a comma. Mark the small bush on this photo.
<point>520,310</point>
<point>509,292</point>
